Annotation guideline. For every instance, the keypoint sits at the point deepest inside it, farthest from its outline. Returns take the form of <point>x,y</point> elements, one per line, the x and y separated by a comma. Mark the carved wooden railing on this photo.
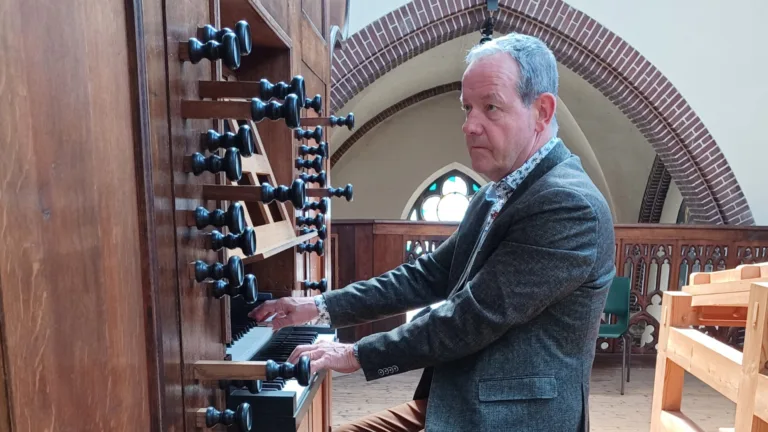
<point>655,257</point>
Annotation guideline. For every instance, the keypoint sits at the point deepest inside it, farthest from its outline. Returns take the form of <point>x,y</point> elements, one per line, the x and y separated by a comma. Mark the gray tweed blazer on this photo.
<point>512,348</point>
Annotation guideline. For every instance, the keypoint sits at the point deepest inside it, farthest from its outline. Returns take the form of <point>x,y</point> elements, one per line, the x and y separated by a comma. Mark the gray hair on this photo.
<point>538,66</point>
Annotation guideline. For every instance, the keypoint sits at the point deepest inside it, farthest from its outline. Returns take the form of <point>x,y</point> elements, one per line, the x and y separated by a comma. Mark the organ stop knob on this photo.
<point>314,178</point>
<point>316,247</point>
<point>316,221</point>
<point>288,110</point>
<point>281,90</point>
<point>348,121</point>
<point>233,218</point>
<point>242,140</point>
<point>230,164</point>
<point>321,285</point>
<point>248,289</point>
<point>242,32</point>
<point>321,206</point>
<point>320,150</point>
<point>315,164</point>
<point>316,134</point>
<point>240,418</point>
<point>253,386</point>
<point>246,241</point>
<point>322,233</point>
<point>227,50</point>
<point>232,271</point>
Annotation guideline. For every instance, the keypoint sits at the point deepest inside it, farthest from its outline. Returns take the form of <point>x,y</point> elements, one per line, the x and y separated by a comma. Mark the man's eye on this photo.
<point>491,107</point>
<point>466,108</point>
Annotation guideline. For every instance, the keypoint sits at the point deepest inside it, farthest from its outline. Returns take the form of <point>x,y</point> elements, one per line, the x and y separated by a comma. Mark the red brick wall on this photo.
<point>622,74</point>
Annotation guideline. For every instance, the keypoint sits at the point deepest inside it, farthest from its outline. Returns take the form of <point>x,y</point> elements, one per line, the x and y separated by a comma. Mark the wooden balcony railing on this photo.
<point>655,257</point>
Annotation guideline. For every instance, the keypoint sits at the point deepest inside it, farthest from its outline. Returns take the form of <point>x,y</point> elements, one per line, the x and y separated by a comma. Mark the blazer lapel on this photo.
<point>557,155</point>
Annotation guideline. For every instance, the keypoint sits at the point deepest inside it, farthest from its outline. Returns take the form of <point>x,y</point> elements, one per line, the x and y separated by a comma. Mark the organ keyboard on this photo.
<point>279,403</point>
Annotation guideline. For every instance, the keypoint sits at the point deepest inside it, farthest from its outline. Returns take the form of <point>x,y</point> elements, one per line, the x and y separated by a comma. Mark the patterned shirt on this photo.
<point>499,192</point>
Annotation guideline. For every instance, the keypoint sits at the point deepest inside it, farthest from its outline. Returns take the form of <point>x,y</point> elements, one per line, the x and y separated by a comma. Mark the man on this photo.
<point>525,276</point>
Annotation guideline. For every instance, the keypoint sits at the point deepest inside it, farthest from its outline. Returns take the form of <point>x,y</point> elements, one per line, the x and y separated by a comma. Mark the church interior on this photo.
<point>169,165</point>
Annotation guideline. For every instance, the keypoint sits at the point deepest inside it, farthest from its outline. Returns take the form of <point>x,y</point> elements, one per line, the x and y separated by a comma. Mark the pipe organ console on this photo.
<point>165,170</point>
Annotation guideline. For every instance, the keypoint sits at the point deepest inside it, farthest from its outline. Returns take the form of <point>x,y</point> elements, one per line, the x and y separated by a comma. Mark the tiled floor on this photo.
<point>353,397</point>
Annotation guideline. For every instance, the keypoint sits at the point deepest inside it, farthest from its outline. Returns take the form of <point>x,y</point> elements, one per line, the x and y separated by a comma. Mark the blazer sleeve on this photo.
<point>406,287</point>
<point>545,256</point>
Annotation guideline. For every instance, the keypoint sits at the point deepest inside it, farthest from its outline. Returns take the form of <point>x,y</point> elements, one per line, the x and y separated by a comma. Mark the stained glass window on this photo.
<point>446,199</point>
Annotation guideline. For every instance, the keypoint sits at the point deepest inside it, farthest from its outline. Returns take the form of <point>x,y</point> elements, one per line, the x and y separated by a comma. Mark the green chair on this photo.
<point>617,305</point>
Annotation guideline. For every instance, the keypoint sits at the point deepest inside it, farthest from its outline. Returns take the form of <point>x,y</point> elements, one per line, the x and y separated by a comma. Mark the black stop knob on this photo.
<point>230,164</point>
<point>248,289</point>
<point>242,32</point>
<point>297,193</point>
<point>320,150</point>
<point>253,386</point>
<point>315,164</point>
<point>316,247</point>
<point>240,418</point>
<point>301,371</point>
<point>227,50</point>
<point>316,103</point>
<point>281,90</point>
<point>246,241</point>
<point>288,110</point>
<point>348,121</point>
<point>316,134</point>
<point>314,178</point>
<point>321,285</point>
<point>316,221</point>
<point>345,192</point>
<point>321,206</point>
<point>322,233</point>
<point>232,271</point>
<point>242,140</point>
<point>233,218</point>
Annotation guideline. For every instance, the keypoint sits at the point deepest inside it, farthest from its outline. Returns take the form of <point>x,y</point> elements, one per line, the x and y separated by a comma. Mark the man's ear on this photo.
<point>545,106</point>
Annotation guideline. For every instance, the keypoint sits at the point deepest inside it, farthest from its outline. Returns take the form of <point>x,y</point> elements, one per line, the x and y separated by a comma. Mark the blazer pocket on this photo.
<point>517,388</point>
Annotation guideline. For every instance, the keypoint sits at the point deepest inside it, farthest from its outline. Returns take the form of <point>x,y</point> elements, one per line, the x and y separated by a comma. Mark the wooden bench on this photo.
<point>733,298</point>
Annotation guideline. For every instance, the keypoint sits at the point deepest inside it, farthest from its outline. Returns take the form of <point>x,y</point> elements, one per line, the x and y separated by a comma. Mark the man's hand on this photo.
<point>289,311</point>
<point>327,355</point>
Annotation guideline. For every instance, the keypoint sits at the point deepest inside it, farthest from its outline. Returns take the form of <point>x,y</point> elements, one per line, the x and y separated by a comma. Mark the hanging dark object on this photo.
<point>487,30</point>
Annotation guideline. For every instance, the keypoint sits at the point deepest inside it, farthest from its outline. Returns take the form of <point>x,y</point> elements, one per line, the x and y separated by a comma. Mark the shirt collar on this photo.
<point>504,187</point>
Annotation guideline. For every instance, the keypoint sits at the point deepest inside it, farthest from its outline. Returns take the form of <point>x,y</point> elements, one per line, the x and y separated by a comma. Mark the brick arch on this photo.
<point>623,75</point>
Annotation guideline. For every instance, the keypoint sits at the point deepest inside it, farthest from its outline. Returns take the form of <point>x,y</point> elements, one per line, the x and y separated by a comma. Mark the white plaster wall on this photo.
<point>713,51</point>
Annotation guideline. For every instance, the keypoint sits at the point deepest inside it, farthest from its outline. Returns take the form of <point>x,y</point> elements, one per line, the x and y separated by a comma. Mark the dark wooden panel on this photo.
<point>344,268</point>
<point>200,313</point>
<point>280,11</point>
<point>387,254</point>
<point>71,263</point>
<point>155,198</point>
<point>314,53</point>
<point>314,12</point>
<point>265,30</point>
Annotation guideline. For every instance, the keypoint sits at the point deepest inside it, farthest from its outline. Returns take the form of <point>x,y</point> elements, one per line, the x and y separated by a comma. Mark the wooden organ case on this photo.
<point>165,169</point>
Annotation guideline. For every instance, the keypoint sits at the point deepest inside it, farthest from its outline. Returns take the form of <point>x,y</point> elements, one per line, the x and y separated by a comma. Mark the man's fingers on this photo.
<point>264,310</point>
<point>318,365</point>
<point>299,351</point>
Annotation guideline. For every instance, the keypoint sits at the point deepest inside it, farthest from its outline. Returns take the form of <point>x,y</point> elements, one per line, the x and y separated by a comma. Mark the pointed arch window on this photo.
<point>446,199</point>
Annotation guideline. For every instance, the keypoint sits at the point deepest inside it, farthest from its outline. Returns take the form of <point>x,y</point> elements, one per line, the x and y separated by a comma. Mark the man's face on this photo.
<point>500,131</point>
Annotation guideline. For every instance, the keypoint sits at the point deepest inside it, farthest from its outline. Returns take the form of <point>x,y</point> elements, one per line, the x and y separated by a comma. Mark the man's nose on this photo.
<point>471,126</point>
